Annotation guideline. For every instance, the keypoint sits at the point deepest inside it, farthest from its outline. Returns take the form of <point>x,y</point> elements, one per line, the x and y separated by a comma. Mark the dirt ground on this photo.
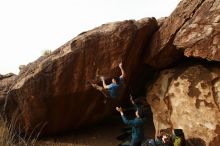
<point>103,134</point>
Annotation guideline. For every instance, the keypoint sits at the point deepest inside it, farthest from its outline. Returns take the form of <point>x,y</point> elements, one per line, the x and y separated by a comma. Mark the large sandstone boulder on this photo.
<point>54,92</point>
<point>200,36</point>
<point>188,97</point>
<point>161,52</point>
<point>192,28</point>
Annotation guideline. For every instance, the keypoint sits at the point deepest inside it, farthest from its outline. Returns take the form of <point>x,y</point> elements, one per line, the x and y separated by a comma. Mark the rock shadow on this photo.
<point>195,142</point>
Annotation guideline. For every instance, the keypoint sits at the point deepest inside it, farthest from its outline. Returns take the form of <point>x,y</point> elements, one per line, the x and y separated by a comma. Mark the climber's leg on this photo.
<point>97,87</point>
<point>101,89</point>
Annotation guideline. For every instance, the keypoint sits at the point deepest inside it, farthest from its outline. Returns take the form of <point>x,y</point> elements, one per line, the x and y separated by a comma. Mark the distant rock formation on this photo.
<point>5,82</point>
<point>54,92</point>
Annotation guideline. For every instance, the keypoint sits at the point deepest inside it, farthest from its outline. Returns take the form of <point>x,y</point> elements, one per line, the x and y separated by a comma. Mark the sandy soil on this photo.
<point>103,134</point>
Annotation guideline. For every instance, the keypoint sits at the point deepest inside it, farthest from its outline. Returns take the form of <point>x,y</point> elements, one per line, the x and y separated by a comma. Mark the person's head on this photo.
<point>115,80</point>
<point>137,101</point>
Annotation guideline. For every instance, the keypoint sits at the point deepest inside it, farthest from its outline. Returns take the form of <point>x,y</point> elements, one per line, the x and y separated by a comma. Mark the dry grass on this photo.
<point>9,138</point>
<point>102,134</point>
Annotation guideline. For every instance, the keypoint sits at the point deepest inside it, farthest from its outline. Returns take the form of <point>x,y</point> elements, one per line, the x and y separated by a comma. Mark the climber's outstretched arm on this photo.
<point>103,83</point>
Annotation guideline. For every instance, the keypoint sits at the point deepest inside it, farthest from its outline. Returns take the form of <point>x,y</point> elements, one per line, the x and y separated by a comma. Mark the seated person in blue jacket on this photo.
<point>112,89</point>
<point>137,124</point>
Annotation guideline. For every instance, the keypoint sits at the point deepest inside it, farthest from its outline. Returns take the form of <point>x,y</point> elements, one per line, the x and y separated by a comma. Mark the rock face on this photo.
<point>200,36</point>
<point>5,83</point>
<point>54,92</point>
<point>188,97</point>
<point>193,27</point>
<point>161,52</point>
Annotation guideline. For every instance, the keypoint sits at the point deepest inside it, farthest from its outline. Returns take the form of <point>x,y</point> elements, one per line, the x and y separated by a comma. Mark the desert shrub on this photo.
<point>46,52</point>
<point>8,136</point>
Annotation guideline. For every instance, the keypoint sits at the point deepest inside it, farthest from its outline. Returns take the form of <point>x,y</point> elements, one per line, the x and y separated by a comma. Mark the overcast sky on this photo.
<point>27,27</point>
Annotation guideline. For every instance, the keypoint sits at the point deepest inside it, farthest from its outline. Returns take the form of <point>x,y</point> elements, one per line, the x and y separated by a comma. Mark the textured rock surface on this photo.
<point>193,27</point>
<point>161,20</point>
<point>187,97</point>
<point>55,90</point>
<point>5,83</point>
<point>200,36</point>
<point>161,52</point>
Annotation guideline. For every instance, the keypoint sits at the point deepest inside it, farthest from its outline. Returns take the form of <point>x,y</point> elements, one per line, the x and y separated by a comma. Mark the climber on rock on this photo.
<point>111,90</point>
<point>137,125</point>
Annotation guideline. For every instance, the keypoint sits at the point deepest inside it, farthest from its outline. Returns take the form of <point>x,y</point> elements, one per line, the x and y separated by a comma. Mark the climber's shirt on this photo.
<point>113,88</point>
